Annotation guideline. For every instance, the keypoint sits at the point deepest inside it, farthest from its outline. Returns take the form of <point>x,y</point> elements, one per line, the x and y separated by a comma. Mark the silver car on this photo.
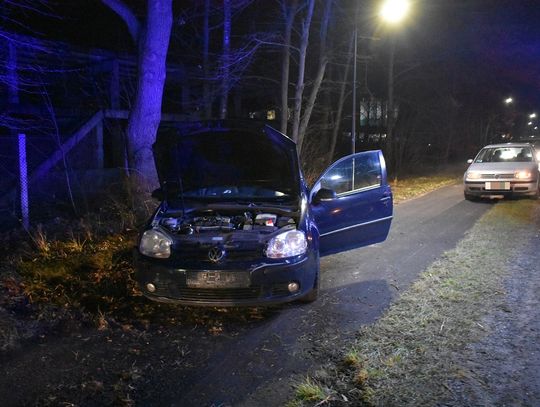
<point>501,170</point>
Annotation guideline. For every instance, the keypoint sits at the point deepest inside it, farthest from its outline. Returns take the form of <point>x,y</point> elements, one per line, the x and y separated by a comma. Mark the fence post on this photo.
<point>23,181</point>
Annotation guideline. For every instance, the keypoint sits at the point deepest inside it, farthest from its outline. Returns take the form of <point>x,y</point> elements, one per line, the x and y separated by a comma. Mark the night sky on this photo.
<point>498,38</point>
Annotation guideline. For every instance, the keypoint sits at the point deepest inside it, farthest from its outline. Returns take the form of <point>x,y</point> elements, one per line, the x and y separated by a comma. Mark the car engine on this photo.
<point>215,222</point>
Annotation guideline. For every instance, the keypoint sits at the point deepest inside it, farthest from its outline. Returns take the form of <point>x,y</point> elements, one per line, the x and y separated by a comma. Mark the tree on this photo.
<point>300,81</point>
<point>288,11</point>
<point>340,103</point>
<point>226,56</point>
<point>321,70</point>
<point>152,40</point>
<point>302,109</point>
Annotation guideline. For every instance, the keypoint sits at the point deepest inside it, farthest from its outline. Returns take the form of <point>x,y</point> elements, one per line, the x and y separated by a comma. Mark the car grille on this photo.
<point>223,294</point>
<point>497,176</point>
<point>230,255</point>
<point>172,290</point>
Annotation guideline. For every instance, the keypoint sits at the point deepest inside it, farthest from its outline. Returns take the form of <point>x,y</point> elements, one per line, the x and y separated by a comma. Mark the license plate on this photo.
<point>497,185</point>
<point>218,279</point>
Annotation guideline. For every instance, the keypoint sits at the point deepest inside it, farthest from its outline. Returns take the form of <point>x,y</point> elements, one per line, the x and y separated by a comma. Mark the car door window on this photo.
<point>361,212</point>
<point>353,173</point>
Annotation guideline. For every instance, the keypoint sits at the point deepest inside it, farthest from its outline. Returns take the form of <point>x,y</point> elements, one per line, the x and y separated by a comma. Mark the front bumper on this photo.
<point>265,283</point>
<point>500,187</point>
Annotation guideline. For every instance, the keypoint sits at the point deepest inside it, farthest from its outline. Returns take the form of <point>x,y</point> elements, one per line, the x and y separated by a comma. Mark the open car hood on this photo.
<point>226,161</point>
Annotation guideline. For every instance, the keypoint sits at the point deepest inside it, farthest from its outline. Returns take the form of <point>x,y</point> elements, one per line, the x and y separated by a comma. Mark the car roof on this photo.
<point>508,145</point>
<point>532,140</point>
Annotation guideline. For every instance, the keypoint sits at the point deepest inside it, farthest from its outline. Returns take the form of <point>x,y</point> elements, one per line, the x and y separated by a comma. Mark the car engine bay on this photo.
<point>225,221</point>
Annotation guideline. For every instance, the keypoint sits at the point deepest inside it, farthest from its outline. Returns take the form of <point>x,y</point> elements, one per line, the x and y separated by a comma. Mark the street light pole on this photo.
<point>392,12</point>
<point>390,106</point>
<point>353,125</point>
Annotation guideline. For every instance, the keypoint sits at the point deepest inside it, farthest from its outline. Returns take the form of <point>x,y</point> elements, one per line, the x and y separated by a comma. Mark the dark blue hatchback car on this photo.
<point>237,224</point>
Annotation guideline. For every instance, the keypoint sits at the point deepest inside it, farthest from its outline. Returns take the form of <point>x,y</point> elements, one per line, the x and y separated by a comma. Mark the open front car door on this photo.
<point>352,203</point>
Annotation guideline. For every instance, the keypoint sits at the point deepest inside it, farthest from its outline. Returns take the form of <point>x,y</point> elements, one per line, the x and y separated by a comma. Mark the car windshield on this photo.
<point>504,154</point>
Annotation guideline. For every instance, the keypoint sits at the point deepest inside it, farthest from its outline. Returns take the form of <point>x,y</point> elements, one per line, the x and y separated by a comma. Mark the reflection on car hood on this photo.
<point>500,167</point>
<point>224,160</point>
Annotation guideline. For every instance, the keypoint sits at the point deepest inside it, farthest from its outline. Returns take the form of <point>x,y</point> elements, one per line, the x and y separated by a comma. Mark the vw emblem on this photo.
<point>215,254</point>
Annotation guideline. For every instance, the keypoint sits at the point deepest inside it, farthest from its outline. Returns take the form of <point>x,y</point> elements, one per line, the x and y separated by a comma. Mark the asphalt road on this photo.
<point>257,366</point>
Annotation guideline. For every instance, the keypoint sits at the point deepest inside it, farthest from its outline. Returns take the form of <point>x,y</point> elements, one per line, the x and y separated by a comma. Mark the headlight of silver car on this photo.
<point>522,174</point>
<point>155,244</point>
<point>473,175</point>
<point>287,244</point>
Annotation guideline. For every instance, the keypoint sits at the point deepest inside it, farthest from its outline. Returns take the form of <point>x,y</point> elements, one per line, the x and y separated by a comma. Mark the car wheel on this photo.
<point>313,294</point>
<point>469,197</point>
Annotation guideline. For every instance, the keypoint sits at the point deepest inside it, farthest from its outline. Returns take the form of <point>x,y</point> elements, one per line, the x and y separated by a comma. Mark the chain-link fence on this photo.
<point>40,179</point>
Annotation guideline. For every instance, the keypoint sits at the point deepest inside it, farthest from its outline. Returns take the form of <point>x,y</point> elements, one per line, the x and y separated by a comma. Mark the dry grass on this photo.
<point>310,392</point>
<point>410,354</point>
<point>408,188</point>
<point>93,275</point>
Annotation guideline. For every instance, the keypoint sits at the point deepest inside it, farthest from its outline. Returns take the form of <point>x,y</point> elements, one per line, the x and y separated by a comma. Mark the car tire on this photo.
<point>313,294</point>
<point>469,197</point>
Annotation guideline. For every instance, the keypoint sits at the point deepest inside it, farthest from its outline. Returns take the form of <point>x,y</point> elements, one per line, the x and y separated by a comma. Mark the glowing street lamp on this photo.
<point>394,11</point>
<point>532,115</point>
<point>508,101</point>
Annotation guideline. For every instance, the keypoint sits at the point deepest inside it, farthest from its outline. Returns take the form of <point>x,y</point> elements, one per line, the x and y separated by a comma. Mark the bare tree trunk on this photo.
<point>485,132</point>
<point>341,102</point>
<point>145,115</point>
<point>226,56</point>
<point>299,93</point>
<point>288,14</point>
<point>207,99</point>
<point>146,112</point>
<point>323,60</point>
<point>309,105</point>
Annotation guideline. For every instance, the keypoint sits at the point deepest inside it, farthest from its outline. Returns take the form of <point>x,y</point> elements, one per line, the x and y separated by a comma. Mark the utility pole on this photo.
<point>390,106</point>
<point>353,124</point>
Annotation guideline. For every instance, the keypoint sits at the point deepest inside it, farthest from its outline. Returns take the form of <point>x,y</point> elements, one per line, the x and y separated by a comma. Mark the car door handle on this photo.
<point>385,198</point>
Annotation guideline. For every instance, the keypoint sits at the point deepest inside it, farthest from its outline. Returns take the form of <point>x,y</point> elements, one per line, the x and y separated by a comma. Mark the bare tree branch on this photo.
<point>126,14</point>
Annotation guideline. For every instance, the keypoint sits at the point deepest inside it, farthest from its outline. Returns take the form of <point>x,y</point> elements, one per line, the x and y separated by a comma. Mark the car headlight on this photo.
<point>288,244</point>
<point>473,175</point>
<point>155,244</point>
<point>522,174</point>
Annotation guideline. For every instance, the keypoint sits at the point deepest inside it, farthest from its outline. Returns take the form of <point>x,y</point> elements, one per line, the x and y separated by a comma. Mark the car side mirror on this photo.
<point>158,194</point>
<point>324,194</point>
<point>469,161</point>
